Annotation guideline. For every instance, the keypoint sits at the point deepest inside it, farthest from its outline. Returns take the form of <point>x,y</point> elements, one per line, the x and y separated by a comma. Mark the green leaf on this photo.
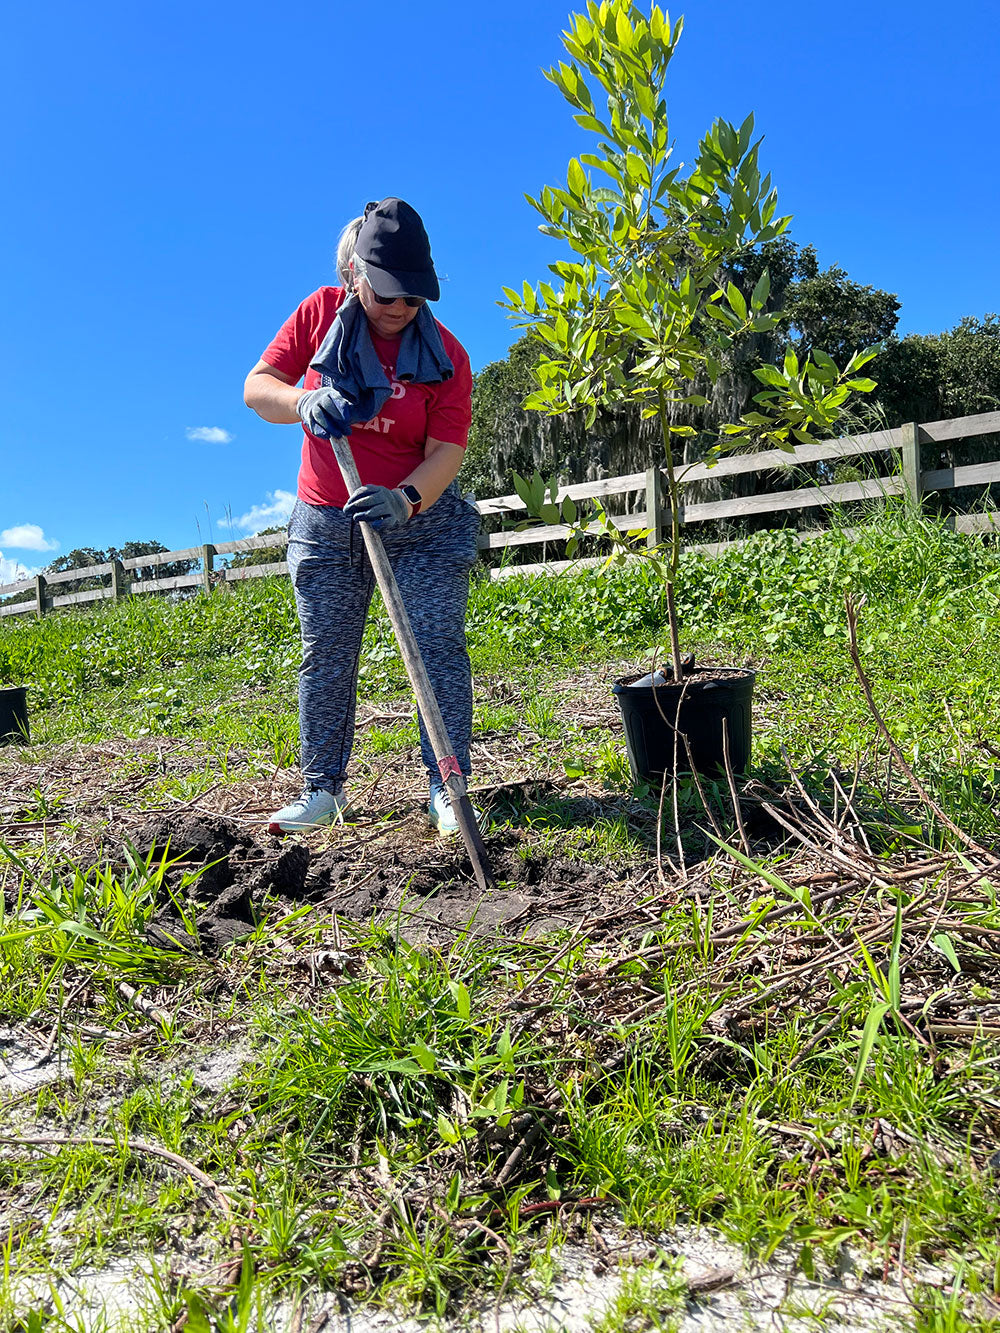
<point>770,375</point>
<point>462,1004</point>
<point>448,1130</point>
<point>645,98</point>
<point>633,319</point>
<point>576,178</point>
<point>862,385</point>
<point>524,490</point>
<point>868,1036</point>
<point>942,943</point>
<point>758,867</point>
<point>424,1056</point>
<point>588,122</point>
<point>736,300</point>
<point>758,298</point>
<point>454,1193</point>
<point>636,168</point>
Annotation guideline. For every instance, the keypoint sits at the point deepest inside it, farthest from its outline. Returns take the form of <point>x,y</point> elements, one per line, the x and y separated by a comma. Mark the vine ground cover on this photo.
<point>640,1046</point>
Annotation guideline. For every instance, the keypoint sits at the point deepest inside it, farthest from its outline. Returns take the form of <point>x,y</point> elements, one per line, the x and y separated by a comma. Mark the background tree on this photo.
<point>172,568</point>
<point>819,308</point>
<point>266,555</point>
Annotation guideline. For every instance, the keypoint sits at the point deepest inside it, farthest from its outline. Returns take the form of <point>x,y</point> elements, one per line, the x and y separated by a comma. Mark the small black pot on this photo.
<point>657,717</point>
<point>13,713</point>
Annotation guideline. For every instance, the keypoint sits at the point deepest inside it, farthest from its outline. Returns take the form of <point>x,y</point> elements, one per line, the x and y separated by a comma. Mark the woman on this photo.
<point>370,348</point>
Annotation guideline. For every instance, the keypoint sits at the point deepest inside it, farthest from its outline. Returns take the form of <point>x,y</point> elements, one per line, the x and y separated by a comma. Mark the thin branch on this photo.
<point>731,779</point>
<point>894,750</point>
<point>129,1145</point>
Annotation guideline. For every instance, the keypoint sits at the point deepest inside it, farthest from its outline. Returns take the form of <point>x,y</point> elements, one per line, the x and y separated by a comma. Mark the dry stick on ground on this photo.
<point>525,1142</point>
<point>548,966</point>
<point>825,853</point>
<point>230,1272</point>
<point>187,805</point>
<point>548,1103</point>
<point>782,981</point>
<point>472,1227</point>
<point>373,1258</point>
<point>701,791</point>
<point>823,821</point>
<point>848,799</point>
<point>660,853</point>
<point>813,1042</point>
<point>743,926</point>
<point>676,812</point>
<point>731,780</point>
<point>130,1145</point>
<point>894,750</point>
<point>880,929</point>
<point>146,1007</point>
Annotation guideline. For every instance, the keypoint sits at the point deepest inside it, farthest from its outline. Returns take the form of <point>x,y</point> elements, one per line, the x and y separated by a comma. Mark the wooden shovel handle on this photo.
<point>451,774</point>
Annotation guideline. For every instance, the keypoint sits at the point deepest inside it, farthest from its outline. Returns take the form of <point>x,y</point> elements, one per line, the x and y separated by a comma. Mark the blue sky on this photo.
<point>176,175</point>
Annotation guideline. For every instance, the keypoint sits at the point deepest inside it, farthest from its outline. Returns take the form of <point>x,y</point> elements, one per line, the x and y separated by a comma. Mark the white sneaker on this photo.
<point>441,812</point>
<point>312,810</point>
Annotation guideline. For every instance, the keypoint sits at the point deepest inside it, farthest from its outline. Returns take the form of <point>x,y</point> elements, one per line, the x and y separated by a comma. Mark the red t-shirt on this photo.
<point>389,447</point>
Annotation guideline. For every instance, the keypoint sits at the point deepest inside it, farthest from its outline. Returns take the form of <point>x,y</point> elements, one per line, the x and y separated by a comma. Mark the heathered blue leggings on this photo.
<point>431,557</point>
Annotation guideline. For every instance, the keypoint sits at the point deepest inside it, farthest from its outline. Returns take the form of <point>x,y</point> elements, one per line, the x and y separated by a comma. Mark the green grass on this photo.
<point>403,1085</point>
<point>222,669</point>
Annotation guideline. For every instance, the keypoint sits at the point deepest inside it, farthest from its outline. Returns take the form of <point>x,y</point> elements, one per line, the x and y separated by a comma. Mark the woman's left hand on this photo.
<point>378,505</point>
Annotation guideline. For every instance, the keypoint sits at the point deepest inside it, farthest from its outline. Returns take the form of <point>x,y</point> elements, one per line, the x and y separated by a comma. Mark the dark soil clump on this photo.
<point>218,872</point>
<point>221,876</point>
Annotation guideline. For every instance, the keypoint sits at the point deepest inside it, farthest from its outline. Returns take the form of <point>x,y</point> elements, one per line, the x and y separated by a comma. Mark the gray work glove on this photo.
<point>323,412</point>
<point>378,505</point>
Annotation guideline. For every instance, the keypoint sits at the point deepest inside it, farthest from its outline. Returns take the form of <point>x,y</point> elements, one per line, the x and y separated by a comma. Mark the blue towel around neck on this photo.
<point>348,363</point>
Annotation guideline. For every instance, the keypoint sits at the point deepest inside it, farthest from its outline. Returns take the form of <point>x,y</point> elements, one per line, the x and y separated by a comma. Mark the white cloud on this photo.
<point>277,510</point>
<point>27,537</point>
<point>12,571</point>
<point>209,434</point>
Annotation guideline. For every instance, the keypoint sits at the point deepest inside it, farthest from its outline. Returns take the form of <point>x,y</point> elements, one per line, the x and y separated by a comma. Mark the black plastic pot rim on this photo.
<point>690,684</point>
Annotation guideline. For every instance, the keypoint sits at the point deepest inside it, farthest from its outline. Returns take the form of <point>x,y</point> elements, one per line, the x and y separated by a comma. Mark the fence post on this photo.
<point>912,466</point>
<point>40,595</point>
<point>119,583</point>
<point>207,561</point>
<point>654,506</point>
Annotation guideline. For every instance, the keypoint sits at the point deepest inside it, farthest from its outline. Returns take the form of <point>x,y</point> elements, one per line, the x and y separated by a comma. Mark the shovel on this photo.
<point>451,774</point>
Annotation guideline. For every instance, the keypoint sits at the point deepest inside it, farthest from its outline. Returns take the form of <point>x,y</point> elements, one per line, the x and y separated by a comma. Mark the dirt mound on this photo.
<point>219,875</point>
<point>432,893</point>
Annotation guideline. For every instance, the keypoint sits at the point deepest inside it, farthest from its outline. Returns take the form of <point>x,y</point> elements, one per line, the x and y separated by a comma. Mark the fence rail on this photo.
<point>911,479</point>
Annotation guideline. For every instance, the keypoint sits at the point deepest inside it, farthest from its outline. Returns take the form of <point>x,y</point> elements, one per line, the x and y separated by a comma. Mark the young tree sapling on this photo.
<point>645,310</point>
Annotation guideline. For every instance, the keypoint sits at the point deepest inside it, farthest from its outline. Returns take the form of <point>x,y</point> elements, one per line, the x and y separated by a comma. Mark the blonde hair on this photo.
<point>345,252</point>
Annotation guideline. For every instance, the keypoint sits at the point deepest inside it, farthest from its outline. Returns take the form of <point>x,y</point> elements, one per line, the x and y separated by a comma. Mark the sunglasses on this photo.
<point>414,302</point>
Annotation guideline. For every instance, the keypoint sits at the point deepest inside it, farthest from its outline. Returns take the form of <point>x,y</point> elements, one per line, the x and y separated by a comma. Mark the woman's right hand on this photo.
<point>323,412</point>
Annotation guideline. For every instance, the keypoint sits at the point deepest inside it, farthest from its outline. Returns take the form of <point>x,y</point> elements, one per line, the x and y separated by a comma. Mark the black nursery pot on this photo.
<point>703,708</point>
<point>13,713</point>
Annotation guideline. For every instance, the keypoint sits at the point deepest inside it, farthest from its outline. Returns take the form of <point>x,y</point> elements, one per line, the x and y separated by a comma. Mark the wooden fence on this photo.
<point>909,478</point>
